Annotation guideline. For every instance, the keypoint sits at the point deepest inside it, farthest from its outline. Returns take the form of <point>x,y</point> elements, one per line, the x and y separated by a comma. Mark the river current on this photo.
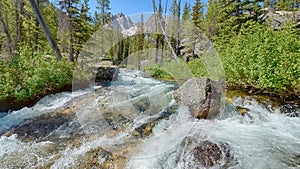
<point>111,116</point>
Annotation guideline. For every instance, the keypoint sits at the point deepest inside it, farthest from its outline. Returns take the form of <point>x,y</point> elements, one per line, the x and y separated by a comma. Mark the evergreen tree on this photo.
<point>186,16</point>
<point>52,42</point>
<point>104,16</point>
<point>178,27</point>
<point>173,26</point>
<point>210,22</point>
<point>140,34</point>
<point>70,7</point>
<point>287,5</point>
<point>229,19</point>
<point>197,14</point>
<point>83,27</point>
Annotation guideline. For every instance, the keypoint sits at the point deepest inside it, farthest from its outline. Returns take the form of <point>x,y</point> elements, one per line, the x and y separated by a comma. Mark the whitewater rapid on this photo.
<point>264,138</point>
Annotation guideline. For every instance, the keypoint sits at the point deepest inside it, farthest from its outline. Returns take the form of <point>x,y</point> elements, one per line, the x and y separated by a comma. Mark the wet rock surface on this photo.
<point>209,154</point>
<point>106,73</point>
<point>42,126</point>
<point>242,110</point>
<point>100,158</point>
<point>146,129</point>
<point>290,110</point>
<point>202,96</point>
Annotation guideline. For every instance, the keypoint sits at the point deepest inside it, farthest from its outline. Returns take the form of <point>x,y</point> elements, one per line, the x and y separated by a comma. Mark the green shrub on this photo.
<point>30,74</point>
<point>178,70</point>
<point>263,58</point>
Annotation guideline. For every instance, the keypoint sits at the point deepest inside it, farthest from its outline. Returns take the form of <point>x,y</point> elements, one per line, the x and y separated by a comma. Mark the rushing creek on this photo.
<point>133,123</point>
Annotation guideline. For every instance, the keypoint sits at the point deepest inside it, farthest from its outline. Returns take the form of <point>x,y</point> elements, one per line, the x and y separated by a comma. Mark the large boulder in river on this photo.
<point>203,96</point>
<point>106,72</point>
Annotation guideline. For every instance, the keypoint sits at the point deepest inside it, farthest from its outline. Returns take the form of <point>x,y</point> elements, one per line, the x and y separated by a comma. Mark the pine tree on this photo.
<point>104,16</point>
<point>173,26</point>
<point>83,27</point>
<point>210,22</point>
<point>197,14</point>
<point>231,16</point>
<point>70,7</point>
<point>287,5</point>
<point>186,16</point>
<point>52,42</point>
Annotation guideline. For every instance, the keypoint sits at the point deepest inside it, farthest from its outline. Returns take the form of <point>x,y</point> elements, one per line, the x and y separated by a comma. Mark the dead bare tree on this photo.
<point>45,28</point>
<point>163,30</point>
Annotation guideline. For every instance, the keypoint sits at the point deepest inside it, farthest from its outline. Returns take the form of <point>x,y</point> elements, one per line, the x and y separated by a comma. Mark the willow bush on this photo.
<point>265,59</point>
<point>30,74</point>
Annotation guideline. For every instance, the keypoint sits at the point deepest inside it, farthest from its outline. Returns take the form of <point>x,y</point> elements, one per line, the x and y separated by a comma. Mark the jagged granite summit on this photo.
<point>124,24</point>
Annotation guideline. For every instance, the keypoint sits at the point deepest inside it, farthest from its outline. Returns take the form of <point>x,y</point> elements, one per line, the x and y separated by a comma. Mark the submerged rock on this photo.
<point>146,129</point>
<point>43,125</point>
<point>100,158</point>
<point>209,154</point>
<point>290,110</point>
<point>242,110</point>
<point>202,96</point>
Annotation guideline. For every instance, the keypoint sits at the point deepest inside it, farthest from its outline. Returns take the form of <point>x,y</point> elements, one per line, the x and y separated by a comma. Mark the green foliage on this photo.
<point>178,70</point>
<point>32,74</point>
<point>157,72</point>
<point>197,67</point>
<point>186,12</point>
<point>197,14</point>
<point>262,58</point>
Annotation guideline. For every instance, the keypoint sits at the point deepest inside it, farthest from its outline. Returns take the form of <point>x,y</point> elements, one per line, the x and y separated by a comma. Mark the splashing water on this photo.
<point>263,138</point>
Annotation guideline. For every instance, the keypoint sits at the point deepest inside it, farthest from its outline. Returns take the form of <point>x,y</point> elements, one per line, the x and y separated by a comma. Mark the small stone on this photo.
<point>242,110</point>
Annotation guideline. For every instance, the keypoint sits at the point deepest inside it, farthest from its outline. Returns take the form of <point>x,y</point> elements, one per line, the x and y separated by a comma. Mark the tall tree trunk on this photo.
<point>156,48</point>
<point>237,10</point>
<point>48,35</point>
<point>71,54</point>
<point>164,26</point>
<point>6,31</point>
<point>36,33</point>
<point>178,28</point>
<point>18,22</point>
<point>156,35</point>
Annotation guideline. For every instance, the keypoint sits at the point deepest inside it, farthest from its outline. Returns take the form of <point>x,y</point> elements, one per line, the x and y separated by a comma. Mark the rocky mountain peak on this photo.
<point>122,22</point>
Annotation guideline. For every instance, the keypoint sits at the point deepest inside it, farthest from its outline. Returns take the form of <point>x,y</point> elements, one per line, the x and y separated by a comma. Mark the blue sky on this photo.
<point>129,7</point>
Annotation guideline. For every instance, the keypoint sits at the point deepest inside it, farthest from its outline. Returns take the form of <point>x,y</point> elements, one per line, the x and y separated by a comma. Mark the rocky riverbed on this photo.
<point>137,123</point>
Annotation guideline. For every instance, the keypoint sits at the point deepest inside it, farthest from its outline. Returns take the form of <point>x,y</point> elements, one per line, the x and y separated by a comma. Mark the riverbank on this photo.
<point>12,103</point>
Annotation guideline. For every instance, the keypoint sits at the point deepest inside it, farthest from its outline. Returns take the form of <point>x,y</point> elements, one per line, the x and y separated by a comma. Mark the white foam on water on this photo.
<point>258,140</point>
<point>45,105</point>
<point>17,154</point>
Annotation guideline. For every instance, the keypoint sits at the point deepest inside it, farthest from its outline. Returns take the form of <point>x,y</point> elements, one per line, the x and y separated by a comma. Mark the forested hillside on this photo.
<point>256,56</point>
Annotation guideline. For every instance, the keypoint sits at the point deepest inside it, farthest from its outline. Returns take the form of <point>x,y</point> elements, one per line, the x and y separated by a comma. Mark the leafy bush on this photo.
<point>263,58</point>
<point>178,70</point>
<point>31,74</point>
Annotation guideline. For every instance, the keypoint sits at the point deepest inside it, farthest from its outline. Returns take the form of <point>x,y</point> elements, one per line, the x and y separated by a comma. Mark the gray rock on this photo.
<point>209,154</point>
<point>202,96</point>
<point>106,73</point>
<point>278,18</point>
